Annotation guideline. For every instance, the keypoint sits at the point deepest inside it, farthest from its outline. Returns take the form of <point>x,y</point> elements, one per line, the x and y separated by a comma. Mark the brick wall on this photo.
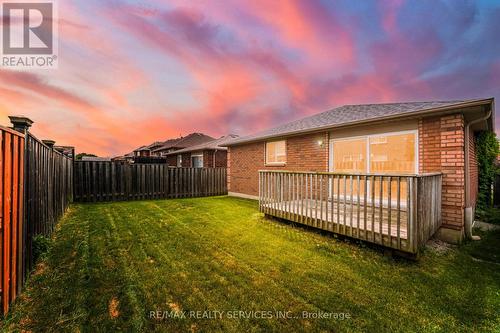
<point>186,160</point>
<point>221,159</point>
<point>441,149</point>
<point>172,160</point>
<point>303,154</point>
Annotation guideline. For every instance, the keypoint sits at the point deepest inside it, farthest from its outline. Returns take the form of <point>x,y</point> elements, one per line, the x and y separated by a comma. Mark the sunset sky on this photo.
<point>134,72</point>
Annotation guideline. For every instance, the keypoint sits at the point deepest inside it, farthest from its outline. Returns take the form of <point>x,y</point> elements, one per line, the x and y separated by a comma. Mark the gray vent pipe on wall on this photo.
<point>469,210</point>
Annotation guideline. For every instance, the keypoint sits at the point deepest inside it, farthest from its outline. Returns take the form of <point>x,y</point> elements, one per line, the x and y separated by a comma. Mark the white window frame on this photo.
<point>367,137</point>
<point>179,161</point>
<point>275,163</point>
<point>197,155</point>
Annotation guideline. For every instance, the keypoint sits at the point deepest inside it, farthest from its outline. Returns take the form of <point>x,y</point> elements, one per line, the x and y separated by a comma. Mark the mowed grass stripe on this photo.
<point>212,271</point>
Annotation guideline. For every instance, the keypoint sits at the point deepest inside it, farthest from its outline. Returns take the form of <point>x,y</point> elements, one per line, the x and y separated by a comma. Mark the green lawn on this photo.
<point>110,265</point>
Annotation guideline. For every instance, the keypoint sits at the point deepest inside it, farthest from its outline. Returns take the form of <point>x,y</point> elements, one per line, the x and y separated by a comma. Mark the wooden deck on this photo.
<point>335,215</point>
<point>396,211</point>
<point>347,219</point>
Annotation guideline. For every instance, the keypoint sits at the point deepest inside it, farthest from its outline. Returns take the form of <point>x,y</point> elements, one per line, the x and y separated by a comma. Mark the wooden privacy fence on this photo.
<point>11,215</point>
<point>35,189</point>
<point>48,190</point>
<point>96,181</point>
<point>397,211</point>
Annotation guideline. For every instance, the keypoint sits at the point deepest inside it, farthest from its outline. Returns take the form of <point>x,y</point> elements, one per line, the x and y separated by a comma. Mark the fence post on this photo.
<point>49,143</point>
<point>21,123</point>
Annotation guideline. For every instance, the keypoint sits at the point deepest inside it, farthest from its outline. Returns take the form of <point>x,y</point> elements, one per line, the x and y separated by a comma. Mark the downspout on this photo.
<point>469,210</point>
<point>215,153</point>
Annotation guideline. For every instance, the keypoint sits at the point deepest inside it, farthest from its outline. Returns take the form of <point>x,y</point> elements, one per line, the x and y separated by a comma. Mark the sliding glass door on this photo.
<point>386,153</point>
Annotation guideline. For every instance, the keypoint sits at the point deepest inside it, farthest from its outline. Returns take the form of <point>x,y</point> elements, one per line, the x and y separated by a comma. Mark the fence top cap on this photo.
<point>21,120</point>
<point>49,143</point>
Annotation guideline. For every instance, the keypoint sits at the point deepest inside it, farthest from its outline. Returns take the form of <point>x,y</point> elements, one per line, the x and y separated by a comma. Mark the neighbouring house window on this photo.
<point>179,161</point>
<point>276,152</point>
<point>197,161</point>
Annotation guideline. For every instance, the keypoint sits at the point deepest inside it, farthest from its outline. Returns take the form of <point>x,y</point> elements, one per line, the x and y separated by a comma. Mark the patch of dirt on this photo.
<point>174,307</point>
<point>113,308</point>
<point>40,268</point>
<point>193,328</point>
<point>438,246</point>
<point>25,321</point>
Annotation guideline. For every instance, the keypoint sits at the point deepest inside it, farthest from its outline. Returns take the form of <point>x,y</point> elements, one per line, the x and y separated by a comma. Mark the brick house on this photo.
<point>397,138</point>
<point>156,152</point>
<point>173,145</point>
<point>206,155</point>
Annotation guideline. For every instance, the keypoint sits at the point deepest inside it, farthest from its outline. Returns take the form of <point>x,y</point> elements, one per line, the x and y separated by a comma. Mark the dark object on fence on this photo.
<point>111,181</point>
<point>35,189</point>
<point>150,160</point>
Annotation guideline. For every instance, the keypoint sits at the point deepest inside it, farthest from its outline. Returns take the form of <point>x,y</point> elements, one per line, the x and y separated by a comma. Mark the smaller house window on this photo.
<point>179,161</point>
<point>276,152</point>
<point>197,161</point>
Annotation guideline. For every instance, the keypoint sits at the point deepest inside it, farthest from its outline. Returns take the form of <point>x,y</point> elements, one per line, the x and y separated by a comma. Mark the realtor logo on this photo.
<point>29,32</point>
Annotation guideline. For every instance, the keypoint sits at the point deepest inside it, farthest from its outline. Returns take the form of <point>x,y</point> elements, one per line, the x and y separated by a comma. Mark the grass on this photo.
<point>110,265</point>
<point>489,215</point>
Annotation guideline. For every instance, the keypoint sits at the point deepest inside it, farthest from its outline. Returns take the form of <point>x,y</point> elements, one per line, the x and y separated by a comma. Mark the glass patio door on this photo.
<point>387,153</point>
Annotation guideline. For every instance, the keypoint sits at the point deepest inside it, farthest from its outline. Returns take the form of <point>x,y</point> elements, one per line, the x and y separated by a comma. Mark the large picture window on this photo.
<point>390,153</point>
<point>276,152</point>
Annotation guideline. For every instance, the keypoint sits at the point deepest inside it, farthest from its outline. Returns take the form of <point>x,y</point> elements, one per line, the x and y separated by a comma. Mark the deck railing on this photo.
<point>397,211</point>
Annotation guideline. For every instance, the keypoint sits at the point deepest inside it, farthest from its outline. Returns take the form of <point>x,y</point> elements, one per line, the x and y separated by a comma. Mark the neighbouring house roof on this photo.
<point>155,145</point>
<point>95,159</point>
<point>141,148</point>
<point>190,140</point>
<point>358,114</point>
<point>210,145</point>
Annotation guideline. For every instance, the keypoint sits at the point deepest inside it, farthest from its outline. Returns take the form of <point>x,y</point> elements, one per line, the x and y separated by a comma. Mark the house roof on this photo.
<point>155,144</point>
<point>95,159</point>
<point>210,145</point>
<point>190,140</point>
<point>142,148</point>
<point>357,114</point>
